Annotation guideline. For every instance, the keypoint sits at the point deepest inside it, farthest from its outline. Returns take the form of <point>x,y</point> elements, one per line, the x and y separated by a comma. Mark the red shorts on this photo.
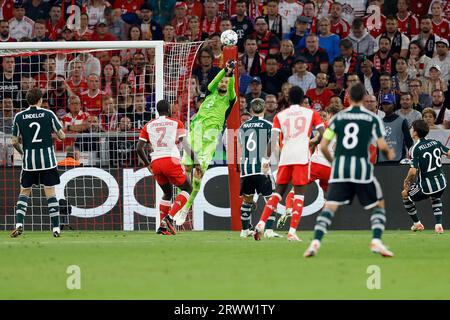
<point>297,174</point>
<point>321,173</point>
<point>168,170</point>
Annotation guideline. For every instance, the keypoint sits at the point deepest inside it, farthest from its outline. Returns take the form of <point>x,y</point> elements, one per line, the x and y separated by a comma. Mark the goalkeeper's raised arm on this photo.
<point>224,81</point>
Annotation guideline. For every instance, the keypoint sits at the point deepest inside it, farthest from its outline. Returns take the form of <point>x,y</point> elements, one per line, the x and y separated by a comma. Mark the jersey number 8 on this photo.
<point>350,136</point>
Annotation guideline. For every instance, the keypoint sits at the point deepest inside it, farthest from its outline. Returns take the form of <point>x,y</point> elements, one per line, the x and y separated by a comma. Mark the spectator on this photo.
<point>418,62</point>
<point>434,81</point>
<point>268,43</point>
<point>397,132</point>
<point>339,26</point>
<point>401,79</point>
<point>95,10</point>
<point>120,70</point>
<point>442,59</point>
<point>256,8</point>
<point>386,88</point>
<point>109,80</point>
<point>56,23</point>
<point>6,9</point>
<point>272,78</point>
<point>336,102</point>
<point>370,103</point>
<point>216,48</point>
<point>242,24</point>
<point>6,115</point>
<point>92,98</point>
<point>49,74</point>
<point>244,78</point>
<point>109,116</point>
<point>354,8</point>
<point>129,9</point>
<point>443,113</point>
<point>121,148</point>
<point>407,22</point>
<point>134,34</point>
<point>245,117</point>
<point>169,33</point>
<point>309,11</point>
<point>102,33</point>
<point>320,96</point>
<point>116,26</point>
<point>58,94</point>
<point>271,107</point>
<point>426,37</point>
<point>352,79</point>
<point>67,35</point>
<point>290,10</point>
<point>242,104</point>
<point>4,32</point>
<point>349,56</point>
<point>274,19</point>
<point>10,80</point>
<point>253,61</point>
<point>255,90</point>
<point>283,100</point>
<point>369,76</point>
<point>211,20</point>
<point>313,54</point>
<point>84,33</point>
<point>90,64</point>
<point>399,42</point>
<point>125,100</point>
<point>205,72</point>
<point>429,116</point>
<point>299,34</point>
<point>137,78</point>
<point>76,120</point>
<point>195,8</point>
<point>162,10</point>
<point>20,25</point>
<point>140,116</point>
<point>76,81</point>
<point>324,8</point>
<point>328,41</point>
<point>286,56</point>
<point>194,33</point>
<point>406,110</point>
<point>382,60</point>
<point>441,26</point>
<point>338,77</point>
<point>180,21</point>
<point>420,99</point>
<point>225,24</point>
<point>27,82</point>
<point>302,77</point>
<point>363,42</point>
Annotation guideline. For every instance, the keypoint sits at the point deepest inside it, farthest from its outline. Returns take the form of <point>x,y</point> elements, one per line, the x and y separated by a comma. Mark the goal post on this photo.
<point>109,192</point>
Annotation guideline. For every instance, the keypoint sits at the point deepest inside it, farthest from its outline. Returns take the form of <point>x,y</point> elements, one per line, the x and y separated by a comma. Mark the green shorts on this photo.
<point>204,144</point>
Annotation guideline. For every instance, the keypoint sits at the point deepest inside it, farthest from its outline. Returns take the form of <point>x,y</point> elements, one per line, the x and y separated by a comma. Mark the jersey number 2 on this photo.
<point>162,134</point>
<point>38,128</point>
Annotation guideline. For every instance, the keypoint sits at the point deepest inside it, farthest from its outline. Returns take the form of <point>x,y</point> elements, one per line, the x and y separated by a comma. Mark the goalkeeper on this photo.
<point>206,127</point>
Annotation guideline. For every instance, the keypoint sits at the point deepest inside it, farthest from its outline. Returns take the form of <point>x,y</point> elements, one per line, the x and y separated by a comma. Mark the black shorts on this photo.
<point>48,178</point>
<point>260,184</point>
<point>415,193</point>
<point>343,193</point>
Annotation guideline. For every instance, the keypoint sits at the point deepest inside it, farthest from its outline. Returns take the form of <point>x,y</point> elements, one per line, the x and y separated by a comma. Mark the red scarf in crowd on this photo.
<point>387,64</point>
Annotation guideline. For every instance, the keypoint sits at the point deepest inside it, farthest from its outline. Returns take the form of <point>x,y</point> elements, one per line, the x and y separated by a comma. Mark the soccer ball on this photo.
<point>229,38</point>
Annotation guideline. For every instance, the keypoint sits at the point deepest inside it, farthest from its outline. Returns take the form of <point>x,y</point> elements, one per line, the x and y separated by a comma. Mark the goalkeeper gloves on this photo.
<point>229,68</point>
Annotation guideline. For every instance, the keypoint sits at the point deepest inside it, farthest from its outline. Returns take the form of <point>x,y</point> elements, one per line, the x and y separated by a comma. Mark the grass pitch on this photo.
<point>220,265</point>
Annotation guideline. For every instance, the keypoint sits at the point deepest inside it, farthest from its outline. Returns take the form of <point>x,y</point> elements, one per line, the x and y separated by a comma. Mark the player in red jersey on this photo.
<point>320,170</point>
<point>163,135</point>
<point>295,125</point>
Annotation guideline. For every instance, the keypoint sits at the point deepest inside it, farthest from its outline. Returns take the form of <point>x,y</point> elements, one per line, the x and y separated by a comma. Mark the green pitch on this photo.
<point>220,265</point>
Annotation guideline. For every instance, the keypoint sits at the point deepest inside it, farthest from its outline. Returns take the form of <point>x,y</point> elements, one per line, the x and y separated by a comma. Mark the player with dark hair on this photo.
<point>426,165</point>
<point>352,171</point>
<point>254,135</point>
<point>32,129</point>
<point>163,134</point>
<point>295,125</point>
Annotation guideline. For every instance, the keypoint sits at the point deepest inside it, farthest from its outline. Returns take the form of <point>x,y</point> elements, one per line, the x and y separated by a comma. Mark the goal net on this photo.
<point>103,93</point>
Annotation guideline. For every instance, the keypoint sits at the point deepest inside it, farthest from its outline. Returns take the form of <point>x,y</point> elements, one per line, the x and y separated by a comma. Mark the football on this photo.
<point>229,38</point>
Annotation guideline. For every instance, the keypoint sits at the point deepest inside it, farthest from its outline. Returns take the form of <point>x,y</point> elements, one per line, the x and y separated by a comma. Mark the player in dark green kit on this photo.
<point>352,172</point>
<point>427,167</point>
<point>33,129</point>
<point>254,136</point>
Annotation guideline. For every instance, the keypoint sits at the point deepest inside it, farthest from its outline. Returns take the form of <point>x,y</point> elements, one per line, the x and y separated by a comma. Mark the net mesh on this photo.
<point>103,98</point>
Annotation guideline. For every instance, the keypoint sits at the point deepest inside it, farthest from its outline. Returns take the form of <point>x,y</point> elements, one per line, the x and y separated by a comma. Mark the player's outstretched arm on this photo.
<point>16,144</point>
<point>212,86</point>
<point>60,134</point>
<point>141,153</point>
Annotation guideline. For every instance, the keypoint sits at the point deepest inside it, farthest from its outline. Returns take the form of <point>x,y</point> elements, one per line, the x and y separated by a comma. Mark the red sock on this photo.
<point>271,205</point>
<point>179,203</point>
<point>290,200</point>
<point>164,208</point>
<point>297,211</point>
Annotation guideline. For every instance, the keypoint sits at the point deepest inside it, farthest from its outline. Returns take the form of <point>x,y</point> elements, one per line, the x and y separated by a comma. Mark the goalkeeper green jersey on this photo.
<point>215,109</point>
<point>35,126</point>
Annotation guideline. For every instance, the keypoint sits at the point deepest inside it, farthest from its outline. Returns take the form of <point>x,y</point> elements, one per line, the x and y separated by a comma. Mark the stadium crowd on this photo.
<point>398,49</point>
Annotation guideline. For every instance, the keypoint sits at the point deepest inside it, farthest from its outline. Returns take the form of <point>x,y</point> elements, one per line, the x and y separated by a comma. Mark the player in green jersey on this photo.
<point>206,127</point>
<point>352,172</point>
<point>254,136</point>
<point>427,167</point>
<point>33,129</point>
